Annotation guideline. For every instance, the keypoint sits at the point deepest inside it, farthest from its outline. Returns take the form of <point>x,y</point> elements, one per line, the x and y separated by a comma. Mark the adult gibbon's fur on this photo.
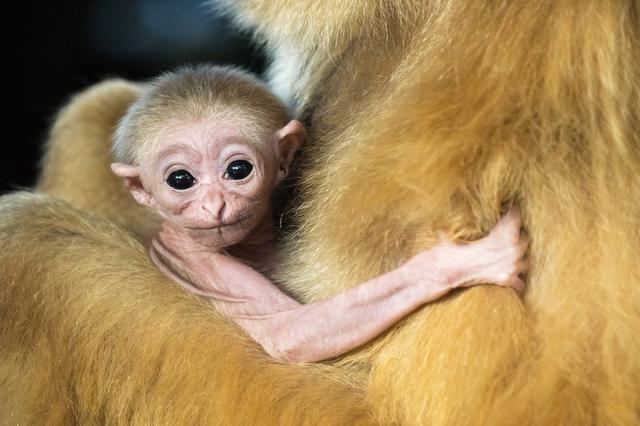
<point>424,116</point>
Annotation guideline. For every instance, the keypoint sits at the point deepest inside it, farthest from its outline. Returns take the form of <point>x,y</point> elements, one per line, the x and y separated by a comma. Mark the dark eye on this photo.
<point>239,169</point>
<point>181,179</point>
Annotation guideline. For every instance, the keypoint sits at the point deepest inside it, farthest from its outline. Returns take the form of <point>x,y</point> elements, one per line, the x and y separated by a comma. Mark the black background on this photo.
<point>54,49</point>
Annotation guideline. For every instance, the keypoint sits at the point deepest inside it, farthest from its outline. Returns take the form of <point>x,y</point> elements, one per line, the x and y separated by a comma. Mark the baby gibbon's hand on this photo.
<point>182,259</point>
<point>494,259</point>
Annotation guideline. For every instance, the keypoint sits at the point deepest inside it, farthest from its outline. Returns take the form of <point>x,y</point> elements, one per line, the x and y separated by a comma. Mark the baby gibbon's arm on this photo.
<point>293,332</point>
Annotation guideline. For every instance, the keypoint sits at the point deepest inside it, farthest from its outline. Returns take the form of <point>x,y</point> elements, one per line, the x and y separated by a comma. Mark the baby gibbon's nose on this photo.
<point>213,202</point>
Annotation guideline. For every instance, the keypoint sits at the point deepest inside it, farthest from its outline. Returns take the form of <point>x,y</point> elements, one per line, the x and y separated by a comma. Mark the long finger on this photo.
<point>168,233</point>
<point>522,266</point>
<point>511,223</point>
<point>162,255</point>
<point>507,228</point>
<point>160,261</point>
<point>516,283</point>
<point>163,249</point>
<point>523,242</point>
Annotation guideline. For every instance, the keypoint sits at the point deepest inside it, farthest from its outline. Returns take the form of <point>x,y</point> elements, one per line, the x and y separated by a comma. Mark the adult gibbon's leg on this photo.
<point>92,333</point>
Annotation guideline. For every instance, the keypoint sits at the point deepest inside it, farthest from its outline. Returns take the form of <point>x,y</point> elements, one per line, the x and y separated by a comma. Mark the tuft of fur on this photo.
<point>424,116</point>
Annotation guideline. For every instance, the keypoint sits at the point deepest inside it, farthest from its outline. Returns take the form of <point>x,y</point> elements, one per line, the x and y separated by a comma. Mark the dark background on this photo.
<point>54,49</point>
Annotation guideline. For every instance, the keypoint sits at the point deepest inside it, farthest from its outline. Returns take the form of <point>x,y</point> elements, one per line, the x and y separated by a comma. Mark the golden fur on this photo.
<point>114,342</point>
<point>423,117</point>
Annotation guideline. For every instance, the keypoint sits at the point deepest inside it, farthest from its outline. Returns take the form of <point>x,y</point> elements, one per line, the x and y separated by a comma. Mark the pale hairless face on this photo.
<point>211,180</point>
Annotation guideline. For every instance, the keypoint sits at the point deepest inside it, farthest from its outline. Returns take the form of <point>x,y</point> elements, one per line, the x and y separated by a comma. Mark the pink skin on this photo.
<point>216,211</point>
<point>218,216</point>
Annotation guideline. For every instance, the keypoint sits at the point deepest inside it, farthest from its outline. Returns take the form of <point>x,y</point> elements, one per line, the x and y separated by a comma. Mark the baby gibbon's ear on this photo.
<point>132,182</point>
<point>289,139</point>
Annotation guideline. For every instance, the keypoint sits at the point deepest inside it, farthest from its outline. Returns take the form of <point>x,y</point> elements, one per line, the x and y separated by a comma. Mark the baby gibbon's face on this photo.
<point>211,179</point>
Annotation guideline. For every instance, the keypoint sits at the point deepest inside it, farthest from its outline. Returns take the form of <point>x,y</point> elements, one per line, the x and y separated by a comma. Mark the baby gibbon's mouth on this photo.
<point>232,222</point>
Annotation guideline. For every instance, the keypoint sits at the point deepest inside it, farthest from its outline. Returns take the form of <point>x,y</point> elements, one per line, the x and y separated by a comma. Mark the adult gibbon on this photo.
<point>422,116</point>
